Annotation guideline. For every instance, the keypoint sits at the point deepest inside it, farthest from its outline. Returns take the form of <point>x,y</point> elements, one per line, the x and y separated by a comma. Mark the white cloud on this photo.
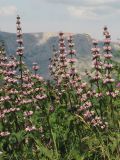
<point>8,10</point>
<point>82,12</point>
<point>99,2</point>
<point>94,11</point>
<point>90,9</point>
<point>83,2</point>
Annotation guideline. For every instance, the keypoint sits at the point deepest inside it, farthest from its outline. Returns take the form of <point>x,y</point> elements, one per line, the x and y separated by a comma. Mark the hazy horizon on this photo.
<point>75,16</point>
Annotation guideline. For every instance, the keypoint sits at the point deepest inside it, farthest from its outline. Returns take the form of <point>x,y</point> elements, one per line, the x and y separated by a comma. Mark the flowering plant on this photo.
<point>66,118</point>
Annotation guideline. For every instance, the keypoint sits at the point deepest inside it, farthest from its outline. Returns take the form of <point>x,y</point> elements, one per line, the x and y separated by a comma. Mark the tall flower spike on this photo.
<point>3,60</point>
<point>107,55</point>
<point>20,48</point>
<point>62,56</point>
<point>2,48</point>
<point>71,60</point>
<point>35,67</point>
<point>96,62</point>
<point>54,64</point>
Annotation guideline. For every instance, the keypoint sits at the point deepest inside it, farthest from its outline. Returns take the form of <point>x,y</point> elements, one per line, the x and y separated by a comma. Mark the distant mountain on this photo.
<point>38,48</point>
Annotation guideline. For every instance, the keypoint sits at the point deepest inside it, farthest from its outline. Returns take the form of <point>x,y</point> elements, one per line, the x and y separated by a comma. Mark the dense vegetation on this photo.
<point>67,118</point>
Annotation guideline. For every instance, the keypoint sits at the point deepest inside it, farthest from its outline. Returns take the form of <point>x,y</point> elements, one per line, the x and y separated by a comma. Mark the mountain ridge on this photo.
<point>38,48</point>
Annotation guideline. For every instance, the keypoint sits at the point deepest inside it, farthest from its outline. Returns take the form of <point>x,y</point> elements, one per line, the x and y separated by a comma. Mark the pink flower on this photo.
<point>82,108</point>
<point>72,60</point>
<point>83,98</point>
<point>28,113</point>
<point>108,80</point>
<point>95,49</point>
<point>118,84</point>
<point>83,85</point>
<point>2,115</point>
<point>99,94</point>
<point>6,98</point>
<point>29,129</point>
<point>108,66</point>
<point>71,52</point>
<point>18,28</point>
<point>95,42</point>
<point>4,134</point>
<point>97,55</point>
<point>97,77</point>
<point>107,48</point>
<point>19,34</point>
<point>103,126</point>
<point>20,41</point>
<point>19,53</point>
<point>108,56</point>
<point>41,97</point>
<point>112,94</point>
<point>87,114</point>
<point>38,77</point>
<point>35,68</point>
<point>107,41</point>
<point>25,101</point>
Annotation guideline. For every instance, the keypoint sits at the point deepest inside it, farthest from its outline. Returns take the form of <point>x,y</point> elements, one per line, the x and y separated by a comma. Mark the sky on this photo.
<point>74,16</point>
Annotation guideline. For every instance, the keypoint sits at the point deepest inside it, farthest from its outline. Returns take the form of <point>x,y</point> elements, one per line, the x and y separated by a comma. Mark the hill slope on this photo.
<point>38,48</point>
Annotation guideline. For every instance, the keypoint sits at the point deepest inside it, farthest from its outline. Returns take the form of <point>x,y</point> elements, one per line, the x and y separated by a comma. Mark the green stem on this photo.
<point>51,133</point>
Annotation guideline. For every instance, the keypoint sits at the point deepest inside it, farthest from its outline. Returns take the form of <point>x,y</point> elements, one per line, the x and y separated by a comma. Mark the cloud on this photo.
<point>82,12</point>
<point>83,2</point>
<point>90,9</point>
<point>99,2</point>
<point>8,10</point>
<point>92,12</point>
